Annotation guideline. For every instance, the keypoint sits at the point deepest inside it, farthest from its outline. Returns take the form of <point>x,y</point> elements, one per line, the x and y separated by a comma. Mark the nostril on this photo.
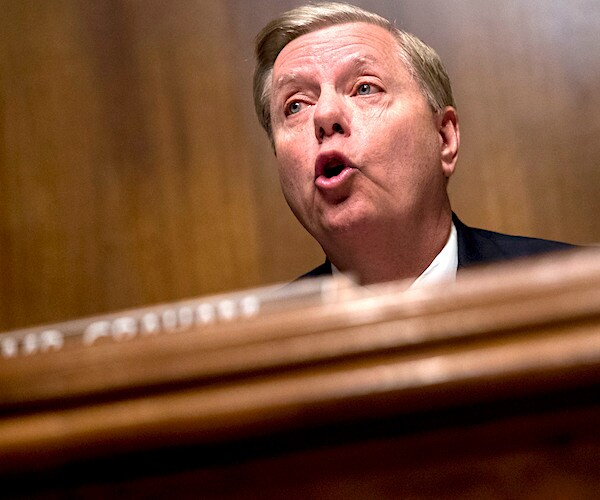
<point>337,128</point>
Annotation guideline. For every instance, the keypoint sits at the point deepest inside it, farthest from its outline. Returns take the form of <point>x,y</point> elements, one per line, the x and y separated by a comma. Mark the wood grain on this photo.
<point>488,385</point>
<point>133,169</point>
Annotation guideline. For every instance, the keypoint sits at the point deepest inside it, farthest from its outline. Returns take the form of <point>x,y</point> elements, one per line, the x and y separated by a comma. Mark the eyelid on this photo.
<point>286,108</point>
<point>367,81</point>
<point>291,100</point>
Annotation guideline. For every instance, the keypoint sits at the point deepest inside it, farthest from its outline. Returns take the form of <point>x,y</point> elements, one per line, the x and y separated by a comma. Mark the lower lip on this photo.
<point>323,182</point>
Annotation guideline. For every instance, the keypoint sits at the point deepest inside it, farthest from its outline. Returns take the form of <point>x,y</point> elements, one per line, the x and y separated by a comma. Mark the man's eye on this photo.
<point>366,89</point>
<point>293,107</point>
<point>363,89</point>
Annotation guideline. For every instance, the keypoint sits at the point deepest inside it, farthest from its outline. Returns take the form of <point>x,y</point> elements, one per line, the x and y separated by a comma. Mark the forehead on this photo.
<point>339,44</point>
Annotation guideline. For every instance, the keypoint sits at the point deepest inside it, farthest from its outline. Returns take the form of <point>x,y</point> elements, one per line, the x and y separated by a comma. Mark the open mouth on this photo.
<point>333,170</point>
<point>331,165</point>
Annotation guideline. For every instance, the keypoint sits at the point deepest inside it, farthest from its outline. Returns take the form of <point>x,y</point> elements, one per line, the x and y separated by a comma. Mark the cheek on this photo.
<point>406,154</point>
<point>292,153</point>
<point>286,178</point>
<point>292,168</point>
<point>412,138</point>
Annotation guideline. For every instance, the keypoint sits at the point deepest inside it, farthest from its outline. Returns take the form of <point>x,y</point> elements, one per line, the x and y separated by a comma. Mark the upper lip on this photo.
<point>330,159</point>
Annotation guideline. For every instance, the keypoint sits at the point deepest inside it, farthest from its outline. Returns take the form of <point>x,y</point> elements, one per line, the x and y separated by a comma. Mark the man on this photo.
<point>363,123</point>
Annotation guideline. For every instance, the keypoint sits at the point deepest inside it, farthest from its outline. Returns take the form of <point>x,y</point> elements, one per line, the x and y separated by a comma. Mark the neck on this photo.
<point>390,252</point>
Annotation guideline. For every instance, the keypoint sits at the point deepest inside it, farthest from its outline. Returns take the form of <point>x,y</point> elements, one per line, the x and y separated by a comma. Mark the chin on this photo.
<point>344,222</point>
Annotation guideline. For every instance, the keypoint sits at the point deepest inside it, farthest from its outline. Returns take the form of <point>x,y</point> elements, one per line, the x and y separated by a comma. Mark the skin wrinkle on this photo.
<point>267,91</point>
<point>356,64</point>
<point>394,207</point>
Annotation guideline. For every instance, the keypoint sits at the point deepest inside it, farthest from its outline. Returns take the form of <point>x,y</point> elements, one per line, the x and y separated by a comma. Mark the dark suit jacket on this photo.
<point>478,246</point>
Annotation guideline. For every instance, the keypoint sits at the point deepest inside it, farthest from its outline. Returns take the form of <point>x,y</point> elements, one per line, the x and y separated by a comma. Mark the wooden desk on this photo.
<point>484,388</point>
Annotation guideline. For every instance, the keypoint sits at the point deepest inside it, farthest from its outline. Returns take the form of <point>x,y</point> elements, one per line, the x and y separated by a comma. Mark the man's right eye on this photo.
<point>293,107</point>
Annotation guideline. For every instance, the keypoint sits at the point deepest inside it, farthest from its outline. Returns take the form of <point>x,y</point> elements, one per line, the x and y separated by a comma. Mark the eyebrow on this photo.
<point>284,80</point>
<point>354,65</point>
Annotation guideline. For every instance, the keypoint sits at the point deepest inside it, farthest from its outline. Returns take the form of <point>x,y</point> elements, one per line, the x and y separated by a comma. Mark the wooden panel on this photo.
<point>124,176</point>
<point>133,169</point>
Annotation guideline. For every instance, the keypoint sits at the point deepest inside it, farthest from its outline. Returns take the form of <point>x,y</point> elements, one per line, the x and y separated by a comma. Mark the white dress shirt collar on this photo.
<point>443,267</point>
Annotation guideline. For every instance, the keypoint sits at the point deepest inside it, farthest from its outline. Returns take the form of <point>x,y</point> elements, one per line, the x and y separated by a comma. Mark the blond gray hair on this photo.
<point>421,60</point>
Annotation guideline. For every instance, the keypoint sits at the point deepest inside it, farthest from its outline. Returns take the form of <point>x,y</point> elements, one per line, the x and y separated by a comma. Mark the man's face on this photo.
<point>356,141</point>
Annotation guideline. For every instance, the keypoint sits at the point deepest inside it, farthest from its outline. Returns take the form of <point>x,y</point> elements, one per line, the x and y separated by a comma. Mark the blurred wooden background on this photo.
<point>133,170</point>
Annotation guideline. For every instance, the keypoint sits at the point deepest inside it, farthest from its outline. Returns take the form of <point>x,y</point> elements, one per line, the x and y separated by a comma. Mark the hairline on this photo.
<point>400,38</point>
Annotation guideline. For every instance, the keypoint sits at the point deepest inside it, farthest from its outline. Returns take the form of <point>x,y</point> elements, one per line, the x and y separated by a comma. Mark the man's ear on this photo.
<point>447,123</point>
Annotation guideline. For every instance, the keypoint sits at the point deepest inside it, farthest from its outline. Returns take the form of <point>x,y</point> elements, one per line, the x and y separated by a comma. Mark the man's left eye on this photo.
<point>364,89</point>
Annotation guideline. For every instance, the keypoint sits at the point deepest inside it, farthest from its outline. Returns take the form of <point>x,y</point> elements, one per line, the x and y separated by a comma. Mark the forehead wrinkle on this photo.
<point>352,63</point>
<point>362,62</point>
<point>318,44</point>
<point>285,79</point>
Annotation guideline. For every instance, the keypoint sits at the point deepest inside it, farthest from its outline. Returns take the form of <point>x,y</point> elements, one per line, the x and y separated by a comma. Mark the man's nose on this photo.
<point>330,116</point>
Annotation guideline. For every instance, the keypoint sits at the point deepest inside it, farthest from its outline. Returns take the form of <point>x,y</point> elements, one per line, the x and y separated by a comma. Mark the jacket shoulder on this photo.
<point>322,270</point>
<point>480,245</point>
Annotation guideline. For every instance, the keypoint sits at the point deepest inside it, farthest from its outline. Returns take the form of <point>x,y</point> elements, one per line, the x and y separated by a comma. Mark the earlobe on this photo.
<point>449,139</point>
